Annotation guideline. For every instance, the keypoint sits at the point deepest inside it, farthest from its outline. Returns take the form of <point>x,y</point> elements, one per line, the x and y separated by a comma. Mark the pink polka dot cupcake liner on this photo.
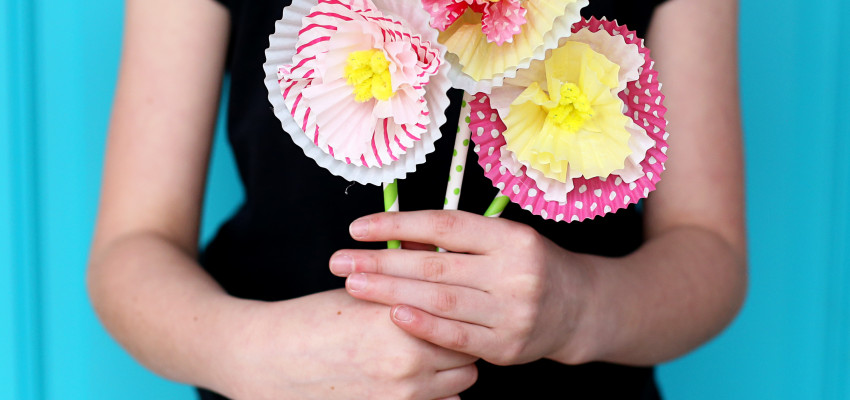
<point>590,197</point>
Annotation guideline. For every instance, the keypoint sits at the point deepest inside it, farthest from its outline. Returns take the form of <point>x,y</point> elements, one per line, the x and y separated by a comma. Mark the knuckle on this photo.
<point>460,339</point>
<point>434,268</point>
<point>444,222</point>
<point>525,318</point>
<point>392,289</point>
<point>379,263</point>
<point>407,391</point>
<point>393,220</point>
<point>429,330</point>
<point>402,368</point>
<point>526,236</point>
<point>384,223</point>
<point>510,355</point>
<point>531,289</point>
<point>513,354</point>
<point>444,301</point>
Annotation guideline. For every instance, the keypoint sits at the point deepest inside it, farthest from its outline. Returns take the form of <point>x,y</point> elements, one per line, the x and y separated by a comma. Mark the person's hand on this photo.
<point>331,346</point>
<point>504,293</point>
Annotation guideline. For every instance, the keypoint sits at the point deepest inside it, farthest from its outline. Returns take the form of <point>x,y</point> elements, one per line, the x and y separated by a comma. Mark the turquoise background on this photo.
<point>58,62</point>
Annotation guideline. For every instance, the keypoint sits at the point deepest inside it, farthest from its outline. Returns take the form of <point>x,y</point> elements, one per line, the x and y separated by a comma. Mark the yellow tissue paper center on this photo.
<point>570,122</point>
<point>368,71</point>
<point>573,109</point>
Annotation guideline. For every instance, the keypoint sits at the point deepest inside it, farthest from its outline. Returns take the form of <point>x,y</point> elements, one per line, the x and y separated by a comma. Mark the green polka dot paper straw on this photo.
<point>391,205</point>
<point>497,206</point>
<point>458,165</point>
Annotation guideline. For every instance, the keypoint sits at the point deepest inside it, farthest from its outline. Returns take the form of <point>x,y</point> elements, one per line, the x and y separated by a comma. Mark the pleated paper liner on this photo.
<point>282,48</point>
<point>479,65</point>
<point>590,197</point>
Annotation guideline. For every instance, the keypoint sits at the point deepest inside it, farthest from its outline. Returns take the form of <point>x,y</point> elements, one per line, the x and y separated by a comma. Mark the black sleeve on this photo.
<point>635,14</point>
<point>226,3</point>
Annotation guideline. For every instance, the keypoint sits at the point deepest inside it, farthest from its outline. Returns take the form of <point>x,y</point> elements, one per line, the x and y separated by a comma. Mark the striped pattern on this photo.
<point>391,205</point>
<point>389,140</point>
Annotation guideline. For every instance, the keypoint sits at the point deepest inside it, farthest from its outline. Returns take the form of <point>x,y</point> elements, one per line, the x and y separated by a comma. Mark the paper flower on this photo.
<point>360,86</point>
<point>579,134</point>
<point>488,40</point>
<point>500,19</point>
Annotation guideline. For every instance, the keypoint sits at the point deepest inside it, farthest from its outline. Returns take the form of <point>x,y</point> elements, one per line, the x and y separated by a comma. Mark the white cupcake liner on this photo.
<point>593,197</point>
<point>282,48</point>
<point>562,27</point>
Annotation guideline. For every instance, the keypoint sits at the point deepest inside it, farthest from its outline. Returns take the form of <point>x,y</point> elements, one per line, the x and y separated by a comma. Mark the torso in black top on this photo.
<point>296,214</point>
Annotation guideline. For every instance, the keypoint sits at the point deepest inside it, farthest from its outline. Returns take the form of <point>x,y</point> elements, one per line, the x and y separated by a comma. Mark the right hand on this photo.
<point>332,346</point>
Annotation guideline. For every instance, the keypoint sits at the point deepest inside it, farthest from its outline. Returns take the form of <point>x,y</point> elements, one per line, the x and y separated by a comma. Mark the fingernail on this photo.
<point>402,314</point>
<point>356,282</point>
<point>342,264</point>
<point>359,228</point>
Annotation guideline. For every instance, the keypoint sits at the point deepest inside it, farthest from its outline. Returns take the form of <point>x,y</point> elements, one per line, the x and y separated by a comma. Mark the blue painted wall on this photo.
<point>792,340</point>
<point>58,66</point>
<point>58,63</point>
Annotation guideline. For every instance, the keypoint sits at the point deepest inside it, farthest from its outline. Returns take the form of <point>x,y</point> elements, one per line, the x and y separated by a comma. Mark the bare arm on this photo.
<point>532,299</point>
<point>142,277</point>
<point>159,303</point>
<point>688,281</point>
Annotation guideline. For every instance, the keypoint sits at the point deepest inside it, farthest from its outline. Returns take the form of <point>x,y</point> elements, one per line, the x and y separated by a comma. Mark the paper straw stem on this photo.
<point>497,206</point>
<point>458,166</point>
<point>391,205</point>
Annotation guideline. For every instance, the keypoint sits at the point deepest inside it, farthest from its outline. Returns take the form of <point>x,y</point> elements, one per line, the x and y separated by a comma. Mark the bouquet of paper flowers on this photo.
<point>566,114</point>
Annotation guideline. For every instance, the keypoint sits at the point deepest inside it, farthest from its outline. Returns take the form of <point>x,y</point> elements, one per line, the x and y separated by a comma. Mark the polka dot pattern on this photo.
<point>590,197</point>
<point>453,189</point>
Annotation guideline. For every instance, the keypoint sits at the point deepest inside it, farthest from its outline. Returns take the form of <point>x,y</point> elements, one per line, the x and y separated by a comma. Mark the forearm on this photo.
<point>673,294</point>
<point>162,307</point>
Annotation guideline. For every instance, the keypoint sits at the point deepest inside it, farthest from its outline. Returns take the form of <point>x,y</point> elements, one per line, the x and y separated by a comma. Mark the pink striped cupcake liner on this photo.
<point>396,149</point>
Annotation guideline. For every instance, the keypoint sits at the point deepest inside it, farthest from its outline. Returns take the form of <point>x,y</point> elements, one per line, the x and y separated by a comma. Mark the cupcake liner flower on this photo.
<point>580,133</point>
<point>500,19</point>
<point>359,85</point>
<point>489,40</point>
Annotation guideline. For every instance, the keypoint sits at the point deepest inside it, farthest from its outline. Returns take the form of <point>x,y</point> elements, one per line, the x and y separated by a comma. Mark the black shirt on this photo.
<point>296,214</point>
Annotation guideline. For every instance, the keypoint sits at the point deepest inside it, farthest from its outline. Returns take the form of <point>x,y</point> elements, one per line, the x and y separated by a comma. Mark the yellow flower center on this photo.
<point>573,109</point>
<point>582,131</point>
<point>368,71</point>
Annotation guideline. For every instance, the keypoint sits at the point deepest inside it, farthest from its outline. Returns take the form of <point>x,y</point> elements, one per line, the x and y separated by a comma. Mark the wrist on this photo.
<point>230,326</point>
<point>584,334</point>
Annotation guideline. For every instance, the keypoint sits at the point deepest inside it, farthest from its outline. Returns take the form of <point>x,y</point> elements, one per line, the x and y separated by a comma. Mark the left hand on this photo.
<point>504,293</point>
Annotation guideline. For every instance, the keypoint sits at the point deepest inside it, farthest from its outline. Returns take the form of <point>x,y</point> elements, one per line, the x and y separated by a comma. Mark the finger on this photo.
<point>453,335</point>
<point>447,301</point>
<point>418,246</point>
<point>456,231</point>
<point>445,359</point>
<point>449,268</point>
<point>453,381</point>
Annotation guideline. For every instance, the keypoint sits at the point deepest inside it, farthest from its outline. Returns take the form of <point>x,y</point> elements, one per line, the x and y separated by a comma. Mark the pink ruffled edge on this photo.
<point>500,21</point>
<point>590,197</point>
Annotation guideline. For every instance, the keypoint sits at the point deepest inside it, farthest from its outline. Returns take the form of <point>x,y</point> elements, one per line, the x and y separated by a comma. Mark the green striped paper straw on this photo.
<point>458,166</point>
<point>391,204</point>
<point>497,206</point>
